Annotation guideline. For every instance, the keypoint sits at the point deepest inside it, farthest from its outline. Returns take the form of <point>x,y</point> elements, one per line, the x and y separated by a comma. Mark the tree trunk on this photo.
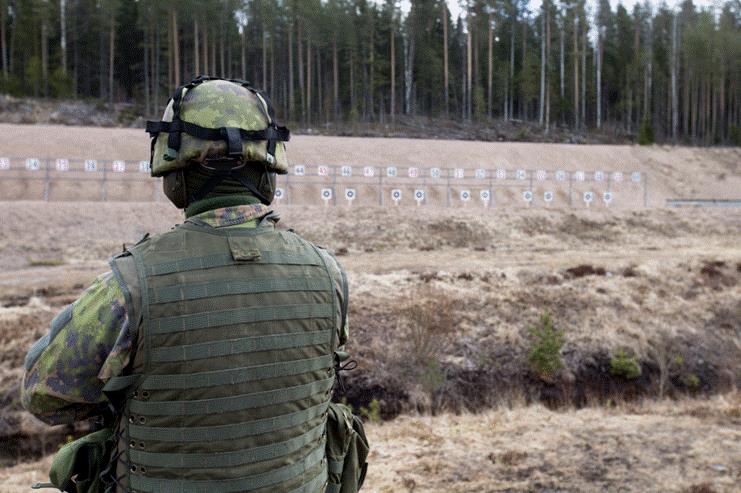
<point>308,78</point>
<point>206,67</point>
<point>561,61</point>
<point>147,95</point>
<point>44,56</point>
<point>302,87</point>
<point>541,112</point>
<point>3,42</point>
<point>599,79</point>
<point>490,69</point>
<point>576,72</point>
<point>510,110</point>
<point>469,68</point>
<point>196,49</point>
<point>547,68</point>
<point>336,79</point>
<point>111,57</point>
<point>264,56</point>
<point>523,95</point>
<point>675,93</point>
<point>392,105</point>
<point>176,48</point>
<point>584,46</point>
<point>243,53</point>
<point>291,94</point>
<point>62,32</point>
<point>446,67</point>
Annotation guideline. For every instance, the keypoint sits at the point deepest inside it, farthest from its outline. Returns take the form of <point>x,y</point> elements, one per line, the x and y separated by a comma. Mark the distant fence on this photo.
<point>121,180</point>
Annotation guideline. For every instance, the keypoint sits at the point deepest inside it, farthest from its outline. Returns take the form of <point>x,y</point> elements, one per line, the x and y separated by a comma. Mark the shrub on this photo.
<point>60,84</point>
<point>734,134</point>
<point>622,365</point>
<point>372,413</point>
<point>545,347</point>
<point>646,135</point>
<point>691,381</point>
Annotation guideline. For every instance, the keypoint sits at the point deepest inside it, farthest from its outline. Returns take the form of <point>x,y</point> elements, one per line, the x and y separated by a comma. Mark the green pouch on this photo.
<point>78,465</point>
<point>347,450</point>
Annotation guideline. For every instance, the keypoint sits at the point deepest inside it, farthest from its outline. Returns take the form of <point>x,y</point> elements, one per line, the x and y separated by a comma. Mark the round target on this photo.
<point>548,196</point>
<point>607,197</point>
<point>435,173</point>
<point>419,195</point>
<point>485,195</point>
<point>501,174</point>
<point>527,195</point>
<point>279,193</point>
<point>588,197</point>
<point>350,194</point>
<point>465,195</point>
<point>396,195</point>
<point>560,175</point>
<point>326,193</point>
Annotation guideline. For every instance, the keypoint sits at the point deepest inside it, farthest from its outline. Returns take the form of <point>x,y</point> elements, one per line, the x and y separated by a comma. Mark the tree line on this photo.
<point>670,73</point>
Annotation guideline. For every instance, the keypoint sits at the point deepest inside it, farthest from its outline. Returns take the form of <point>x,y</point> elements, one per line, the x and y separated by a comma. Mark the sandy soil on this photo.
<point>686,446</point>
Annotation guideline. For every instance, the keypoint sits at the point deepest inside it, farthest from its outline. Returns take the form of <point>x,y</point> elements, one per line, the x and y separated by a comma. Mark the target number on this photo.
<point>459,173</point>
<point>560,175</point>
<point>369,171</point>
<point>91,165</point>
<point>636,177</point>
<point>62,164</point>
<point>322,171</point>
<point>299,170</point>
<point>480,174</point>
<point>4,163</point>
<point>579,176</point>
<point>144,167</point>
<point>541,175</point>
<point>617,176</point>
<point>346,171</point>
<point>391,171</point>
<point>33,164</point>
<point>413,172</point>
<point>119,166</point>
<point>521,174</point>
<point>501,174</point>
<point>435,173</point>
<point>599,176</point>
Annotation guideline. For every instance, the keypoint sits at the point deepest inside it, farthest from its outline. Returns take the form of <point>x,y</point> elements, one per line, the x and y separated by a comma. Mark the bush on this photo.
<point>734,134</point>
<point>60,84</point>
<point>646,135</point>
<point>372,413</point>
<point>622,365</point>
<point>545,347</point>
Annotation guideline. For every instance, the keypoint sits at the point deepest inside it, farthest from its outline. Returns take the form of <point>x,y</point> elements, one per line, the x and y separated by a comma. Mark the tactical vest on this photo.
<point>233,368</point>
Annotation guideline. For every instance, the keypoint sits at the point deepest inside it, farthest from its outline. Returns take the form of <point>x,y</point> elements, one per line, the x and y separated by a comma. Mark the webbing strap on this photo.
<point>183,292</point>
<point>336,466</point>
<point>231,403</point>
<point>228,459</point>
<point>274,133</point>
<point>114,384</point>
<point>249,483</point>
<point>235,316</point>
<point>227,432</point>
<point>236,375</point>
<point>240,346</point>
<point>333,488</point>
<point>211,261</point>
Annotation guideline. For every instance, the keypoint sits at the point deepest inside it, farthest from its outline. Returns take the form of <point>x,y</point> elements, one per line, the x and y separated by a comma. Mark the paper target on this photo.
<point>4,163</point>
<point>480,174</point>
<point>599,176</point>
<point>323,171</point>
<point>435,173</point>
<point>579,176</point>
<point>299,170</point>
<point>119,166</point>
<point>636,177</point>
<point>617,176</point>
<point>33,164</point>
<point>419,195</point>
<point>91,165</point>
<point>465,195</point>
<point>346,171</point>
<point>485,195</point>
<point>62,164</point>
<point>501,174</point>
<point>144,167</point>
<point>607,197</point>
<point>548,196</point>
<point>350,194</point>
<point>459,173</point>
<point>541,175</point>
<point>396,195</point>
<point>391,171</point>
<point>279,193</point>
<point>588,197</point>
<point>527,196</point>
<point>326,194</point>
<point>521,174</point>
<point>369,171</point>
<point>560,175</point>
<point>413,172</point>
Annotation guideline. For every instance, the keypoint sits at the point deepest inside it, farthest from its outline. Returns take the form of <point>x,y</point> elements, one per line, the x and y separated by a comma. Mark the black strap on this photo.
<point>218,175</point>
<point>273,132</point>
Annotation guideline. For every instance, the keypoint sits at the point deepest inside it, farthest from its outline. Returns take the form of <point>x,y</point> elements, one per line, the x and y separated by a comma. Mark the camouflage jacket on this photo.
<point>90,341</point>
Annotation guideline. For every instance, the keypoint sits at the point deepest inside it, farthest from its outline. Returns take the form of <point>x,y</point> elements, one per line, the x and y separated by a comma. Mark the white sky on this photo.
<point>455,7</point>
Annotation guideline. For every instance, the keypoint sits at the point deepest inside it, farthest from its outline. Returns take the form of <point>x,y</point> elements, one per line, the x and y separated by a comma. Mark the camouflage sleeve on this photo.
<point>89,342</point>
<point>340,281</point>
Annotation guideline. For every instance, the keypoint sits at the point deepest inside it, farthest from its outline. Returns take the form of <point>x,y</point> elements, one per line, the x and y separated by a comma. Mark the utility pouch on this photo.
<point>347,450</point>
<point>77,467</point>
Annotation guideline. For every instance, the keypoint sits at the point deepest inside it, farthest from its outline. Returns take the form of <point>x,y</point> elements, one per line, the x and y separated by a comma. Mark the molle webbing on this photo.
<point>235,348</point>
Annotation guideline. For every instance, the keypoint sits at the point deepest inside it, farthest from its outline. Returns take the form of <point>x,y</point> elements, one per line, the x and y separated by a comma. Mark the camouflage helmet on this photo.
<point>217,118</point>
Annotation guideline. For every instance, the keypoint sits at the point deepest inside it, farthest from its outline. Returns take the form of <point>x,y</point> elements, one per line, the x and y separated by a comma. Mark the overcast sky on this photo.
<point>455,8</point>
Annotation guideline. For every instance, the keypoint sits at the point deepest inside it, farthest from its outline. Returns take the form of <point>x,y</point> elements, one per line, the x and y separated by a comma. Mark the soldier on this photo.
<point>211,349</point>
